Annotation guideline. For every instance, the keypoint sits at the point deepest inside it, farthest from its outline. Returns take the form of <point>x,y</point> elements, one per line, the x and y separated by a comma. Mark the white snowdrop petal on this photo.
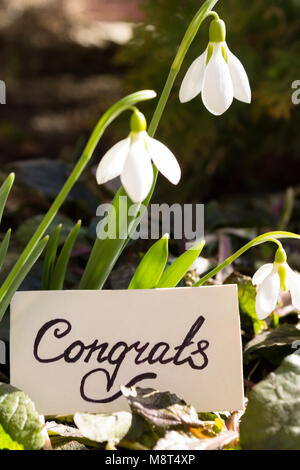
<point>267,296</point>
<point>164,160</point>
<point>293,282</point>
<point>217,90</point>
<point>112,163</point>
<point>200,265</point>
<point>261,314</point>
<point>137,174</point>
<point>240,81</point>
<point>193,80</point>
<point>262,273</point>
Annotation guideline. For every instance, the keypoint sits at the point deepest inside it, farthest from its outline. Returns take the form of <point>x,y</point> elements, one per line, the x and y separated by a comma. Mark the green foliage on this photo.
<point>150,272</point>
<point>27,228</point>
<point>20,426</point>
<point>151,267</point>
<point>6,442</point>
<point>4,246</point>
<point>49,261</point>
<point>57,277</point>
<point>272,418</point>
<point>106,252</point>
<point>27,265</point>
<point>4,192</point>
<point>273,345</point>
<point>177,270</point>
<point>54,271</point>
<point>255,140</point>
<point>247,295</point>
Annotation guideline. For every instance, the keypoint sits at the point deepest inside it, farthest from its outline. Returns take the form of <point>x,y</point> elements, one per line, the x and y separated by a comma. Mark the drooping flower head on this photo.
<point>217,74</point>
<point>270,279</point>
<point>132,159</point>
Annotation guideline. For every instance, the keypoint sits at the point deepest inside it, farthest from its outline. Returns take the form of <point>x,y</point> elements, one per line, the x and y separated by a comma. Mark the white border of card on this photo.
<point>72,350</point>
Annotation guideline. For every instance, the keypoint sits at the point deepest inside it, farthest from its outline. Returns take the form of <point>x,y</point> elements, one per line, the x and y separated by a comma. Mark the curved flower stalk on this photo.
<point>131,159</point>
<point>270,279</point>
<point>266,237</point>
<point>217,75</point>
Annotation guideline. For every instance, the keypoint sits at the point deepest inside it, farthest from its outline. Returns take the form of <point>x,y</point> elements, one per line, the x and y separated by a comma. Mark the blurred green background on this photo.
<point>64,62</point>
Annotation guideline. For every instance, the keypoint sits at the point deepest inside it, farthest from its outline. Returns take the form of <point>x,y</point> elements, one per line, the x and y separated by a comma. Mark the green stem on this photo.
<point>105,253</point>
<point>267,237</point>
<point>110,115</point>
<point>214,14</point>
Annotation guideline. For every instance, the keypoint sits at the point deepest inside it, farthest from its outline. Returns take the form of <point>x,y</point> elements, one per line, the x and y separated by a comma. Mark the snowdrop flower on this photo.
<point>131,159</point>
<point>217,74</point>
<point>200,265</point>
<point>270,279</point>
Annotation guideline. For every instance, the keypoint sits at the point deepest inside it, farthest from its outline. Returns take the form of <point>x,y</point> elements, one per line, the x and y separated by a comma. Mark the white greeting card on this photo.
<point>72,350</point>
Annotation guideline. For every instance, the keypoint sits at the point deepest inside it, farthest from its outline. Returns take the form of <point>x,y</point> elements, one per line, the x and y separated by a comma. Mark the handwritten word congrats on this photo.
<point>191,352</point>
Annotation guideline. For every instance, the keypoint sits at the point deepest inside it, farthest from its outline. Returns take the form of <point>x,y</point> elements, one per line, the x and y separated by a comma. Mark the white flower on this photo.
<point>200,265</point>
<point>217,74</point>
<point>270,278</point>
<point>131,159</point>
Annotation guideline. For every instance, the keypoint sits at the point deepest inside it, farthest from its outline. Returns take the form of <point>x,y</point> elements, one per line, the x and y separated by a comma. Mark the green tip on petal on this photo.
<point>217,31</point>
<point>138,122</point>
<point>280,256</point>
<point>282,276</point>
<point>210,51</point>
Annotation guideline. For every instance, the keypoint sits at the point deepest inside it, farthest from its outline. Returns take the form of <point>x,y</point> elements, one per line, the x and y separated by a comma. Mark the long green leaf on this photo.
<point>4,192</point>
<point>174,273</point>
<point>50,257</point>
<point>152,266</point>
<point>22,274</point>
<point>59,274</point>
<point>106,252</point>
<point>4,246</point>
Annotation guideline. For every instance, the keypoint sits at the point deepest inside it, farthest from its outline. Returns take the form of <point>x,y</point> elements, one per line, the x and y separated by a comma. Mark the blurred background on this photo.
<point>65,61</point>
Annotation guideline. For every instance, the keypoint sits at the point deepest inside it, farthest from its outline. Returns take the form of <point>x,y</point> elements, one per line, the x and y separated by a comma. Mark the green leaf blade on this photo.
<point>4,192</point>
<point>49,260</point>
<point>4,246</point>
<point>174,273</point>
<point>60,269</point>
<point>151,267</point>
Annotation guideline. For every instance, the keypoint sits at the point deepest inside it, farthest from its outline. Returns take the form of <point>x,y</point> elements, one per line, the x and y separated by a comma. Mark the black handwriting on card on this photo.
<point>191,352</point>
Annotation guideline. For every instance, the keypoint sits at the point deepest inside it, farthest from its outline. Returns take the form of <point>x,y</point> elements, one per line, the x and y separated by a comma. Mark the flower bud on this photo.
<point>138,122</point>
<point>217,31</point>
<point>280,256</point>
<point>282,276</point>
